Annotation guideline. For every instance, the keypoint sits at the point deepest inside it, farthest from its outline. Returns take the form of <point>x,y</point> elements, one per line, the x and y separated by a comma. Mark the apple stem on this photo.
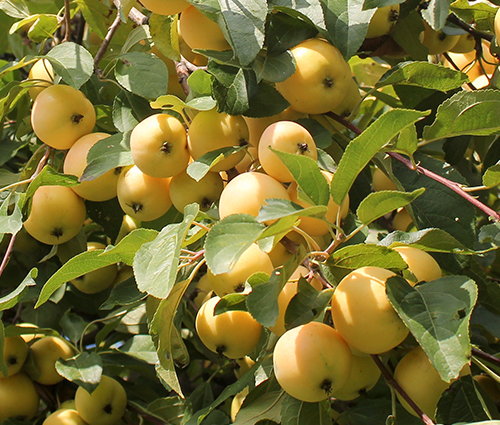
<point>394,384</point>
<point>454,186</point>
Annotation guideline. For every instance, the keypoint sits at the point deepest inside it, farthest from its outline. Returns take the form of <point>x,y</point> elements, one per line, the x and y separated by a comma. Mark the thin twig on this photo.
<point>454,19</point>
<point>8,253</point>
<point>67,21</point>
<point>454,65</point>
<point>394,384</point>
<point>134,15</point>
<point>485,356</point>
<point>105,44</point>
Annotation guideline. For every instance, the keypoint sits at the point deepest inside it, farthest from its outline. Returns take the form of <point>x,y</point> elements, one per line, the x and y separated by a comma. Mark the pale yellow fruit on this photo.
<point>315,226</point>
<point>350,103</point>
<point>46,351</point>
<point>103,188</point>
<point>165,7</point>
<point>64,417</point>
<point>380,181</point>
<point>402,220</point>
<point>203,288</point>
<point>465,44</point>
<point>320,81</point>
<point>15,352</point>
<point>482,81</point>
<point>437,41</point>
<point>247,193</point>
<point>238,400</point>
<point>249,160</point>
<point>18,397</point>
<point>28,337</point>
<point>43,73</point>
<point>158,145</point>
<point>174,87</point>
<point>57,215</point>
<point>466,62</point>
<point>200,32</point>
<point>212,130</point>
<point>244,365</point>
<point>187,53</point>
<point>143,197</point>
<point>362,312</point>
<point>256,126</point>
<point>97,280</point>
<point>311,362</point>
<point>105,405</point>
<point>383,21</point>
<point>286,247</point>
<point>284,136</point>
<point>490,386</point>
<point>233,334</point>
<point>252,260</point>
<point>420,263</point>
<point>363,376</point>
<point>497,24</point>
<point>287,293</point>
<point>128,224</point>
<point>61,115</point>
<point>421,381</point>
<point>185,190</point>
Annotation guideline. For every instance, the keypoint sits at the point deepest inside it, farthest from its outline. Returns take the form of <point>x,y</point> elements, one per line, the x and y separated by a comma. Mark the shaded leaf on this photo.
<point>85,370</point>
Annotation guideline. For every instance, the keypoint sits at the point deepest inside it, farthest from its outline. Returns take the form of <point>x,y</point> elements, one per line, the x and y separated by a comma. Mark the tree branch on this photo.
<point>454,19</point>
<point>105,44</point>
<point>134,15</point>
<point>67,20</point>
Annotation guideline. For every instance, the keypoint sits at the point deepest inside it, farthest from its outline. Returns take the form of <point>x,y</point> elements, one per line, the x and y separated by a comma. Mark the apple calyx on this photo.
<point>77,118</point>
<point>57,232</point>
<point>326,385</point>
<point>166,148</point>
<point>328,82</point>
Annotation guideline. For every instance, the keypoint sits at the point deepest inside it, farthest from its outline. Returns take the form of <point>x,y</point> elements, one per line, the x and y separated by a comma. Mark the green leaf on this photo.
<point>480,13</point>
<point>297,412</point>
<point>77,266</point>
<point>12,299</point>
<point>372,4</point>
<point>245,21</point>
<point>491,176</point>
<point>423,74</point>
<point>123,293</point>
<point>311,10</point>
<point>436,13</point>
<point>380,203</point>
<point>347,23</point>
<point>142,73</point>
<point>164,33</point>
<point>141,347</point>
<point>43,28</point>
<point>15,8</point>
<point>352,257</point>
<point>406,34</point>
<point>200,84</point>
<point>128,110</point>
<point>278,208</point>
<point>474,113</point>
<point>10,221</point>
<point>232,302</point>
<point>156,262</point>
<point>361,150</point>
<point>308,176</point>
<point>199,168</point>
<point>438,314</point>
<point>107,154</point>
<point>228,239</point>
<point>274,68</point>
<point>85,370</point>
<point>407,142</point>
<point>94,13</point>
<point>72,62</point>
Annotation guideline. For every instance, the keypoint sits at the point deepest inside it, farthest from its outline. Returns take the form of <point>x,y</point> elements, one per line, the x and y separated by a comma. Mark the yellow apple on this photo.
<point>105,405</point>
<point>15,352</point>
<point>165,7</point>
<point>128,224</point>
<point>383,21</point>
<point>420,263</point>
<point>212,130</point>
<point>243,366</point>
<point>237,401</point>
<point>465,44</point>
<point>143,197</point>
<point>380,181</point>
<point>158,145</point>
<point>402,220</point>
<point>46,351</point>
<point>18,397</point>
<point>203,288</point>
<point>363,376</point>
<point>437,41</point>
<point>43,74</point>
<point>57,215</point>
<point>350,103</point>
<point>64,417</point>
<point>311,362</point>
<point>233,334</point>
<point>103,188</point>
<point>285,136</point>
<point>320,81</point>
<point>362,313</point>
<point>61,115</point>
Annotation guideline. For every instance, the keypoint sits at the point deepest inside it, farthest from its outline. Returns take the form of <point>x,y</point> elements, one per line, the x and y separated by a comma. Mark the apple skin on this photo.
<point>105,406</point>
<point>46,351</point>
<point>437,41</point>
<point>61,115</point>
<point>43,72</point>
<point>15,352</point>
<point>383,21</point>
<point>18,397</point>
<point>162,7</point>
<point>64,417</point>
<point>312,361</point>
<point>420,263</point>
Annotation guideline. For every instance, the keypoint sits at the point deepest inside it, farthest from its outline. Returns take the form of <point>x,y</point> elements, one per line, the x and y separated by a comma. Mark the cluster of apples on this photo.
<point>31,360</point>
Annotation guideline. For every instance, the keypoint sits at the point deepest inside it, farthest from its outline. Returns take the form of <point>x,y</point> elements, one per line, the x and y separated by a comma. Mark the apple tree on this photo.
<point>272,212</point>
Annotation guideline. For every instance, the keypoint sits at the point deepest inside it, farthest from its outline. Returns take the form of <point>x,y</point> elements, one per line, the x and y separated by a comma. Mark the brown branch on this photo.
<point>105,44</point>
<point>7,254</point>
<point>485,356</point>
<point>394,384</point>
<point>134,15</point>
<point>454,19</point>
<point>67,20</point>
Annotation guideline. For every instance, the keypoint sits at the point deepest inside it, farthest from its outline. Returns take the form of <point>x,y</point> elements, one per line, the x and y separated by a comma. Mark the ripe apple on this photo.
<point>349,104</point>
<point>186,51</point>
<point>311,362</point>
<point>383,21</point>
<point>200,32</point>
<point>185,190</point>
<point>420,263</point>
<point>233,334</point>
<point>321,77</point>
<point>402,220</point>
<point>143,197</point>
<point>362,313</point>
<point>43,73</point>
<point>243,366</point>
<point>105,405</point>
<point>15,352</point>
<point>57,215</point>
<point>128,224</point>
<point>285,136</point>
<point>18,397</point>
<point>203,288</point>
<point>380,181</point>
<point>46,351</point>
<point>165,7</point>
<point>158,145</point>
<point>61,115</point>
<point>237,401</point>
<point>64,417</point>
<point>97,280</point>
<point>497,24</point>
<point>103,188</point>
<point>247,193</point>
<point>251,261</point>
<point>437,41</point>
<point>174,87</point>
<point>212,130</point>
<point>465,44</point>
